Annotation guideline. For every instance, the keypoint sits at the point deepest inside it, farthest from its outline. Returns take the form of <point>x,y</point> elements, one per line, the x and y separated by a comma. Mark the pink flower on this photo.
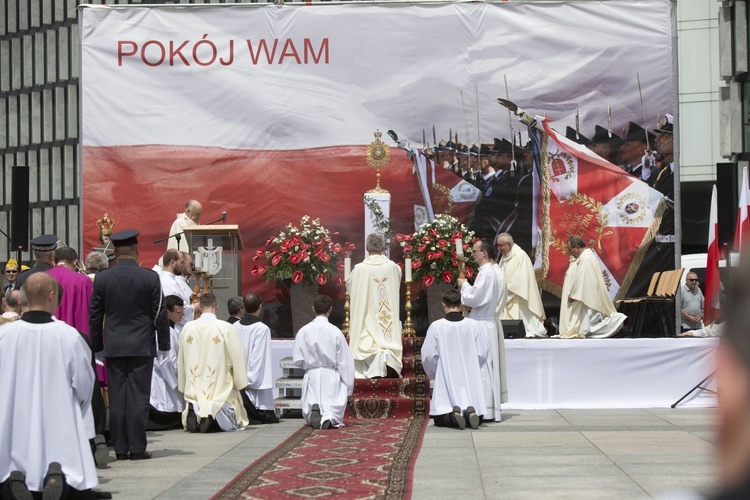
<point>442,243</point>
<point>422,248</point>
<point>408,248</point>
<point>469,272</point>
<point>416,264</point>
<point>297,277</point>
<point>428,280</point>
<point>432,256</point>
<point>447,276</point>
<point>276,259</point>
<point>322,279</point>
<point>294,259</point>
<point>324,257</point>
<point>262,270</point>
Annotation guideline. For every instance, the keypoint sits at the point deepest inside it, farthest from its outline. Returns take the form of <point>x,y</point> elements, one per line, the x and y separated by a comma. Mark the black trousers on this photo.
<point>129,391</point>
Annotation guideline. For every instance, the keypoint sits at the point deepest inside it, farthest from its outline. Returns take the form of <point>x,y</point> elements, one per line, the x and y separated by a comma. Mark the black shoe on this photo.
<point>206,424</point>
<point>54,482</point>
<point>17,486</point>
<point>315,416</point>
<point>140,455</point>
<point>458,418</point>
<point>472,418</point>
<point>101,452</point>
<point>122,456</point>
<point>326,425</point>
<point>269,417</point>
<point>192,420</point>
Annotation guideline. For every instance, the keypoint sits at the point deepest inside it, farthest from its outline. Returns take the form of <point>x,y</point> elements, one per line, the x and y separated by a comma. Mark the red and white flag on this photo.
<point>711,306</point>
<point>742,230</point>
<point>582,194</point>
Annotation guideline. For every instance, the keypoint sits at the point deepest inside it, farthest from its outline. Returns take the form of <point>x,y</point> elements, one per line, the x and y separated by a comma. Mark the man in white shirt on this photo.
<point>211,372</point>
<point>483,297</point>
<point>166,401</point>
<point>173,265</point>
<point>453,354</point>
<point>321,350</point>
<point>256,337</point>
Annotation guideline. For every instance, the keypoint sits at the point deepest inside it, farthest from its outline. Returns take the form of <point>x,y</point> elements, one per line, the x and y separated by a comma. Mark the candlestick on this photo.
<point>407,269</point>
<point>345,326</point>
<point>408,330</point>
<point>347,267</point>
<point>459,247</point>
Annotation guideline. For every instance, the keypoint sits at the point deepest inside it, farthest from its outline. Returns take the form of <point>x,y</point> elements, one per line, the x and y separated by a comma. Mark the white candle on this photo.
<point>347,267</point>
<point>407,269</point>
<point>459,247</point>
<point>197,260</point>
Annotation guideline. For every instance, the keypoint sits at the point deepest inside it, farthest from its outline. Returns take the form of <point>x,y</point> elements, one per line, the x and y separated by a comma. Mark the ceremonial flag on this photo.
<point>713,279</point>
<point>742,230</point>
<point>582,194</point>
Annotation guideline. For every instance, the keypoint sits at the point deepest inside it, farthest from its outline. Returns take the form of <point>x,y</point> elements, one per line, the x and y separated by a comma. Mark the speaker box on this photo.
<point>19,209</point>
<point>513,329</point>
<point>726,194</point>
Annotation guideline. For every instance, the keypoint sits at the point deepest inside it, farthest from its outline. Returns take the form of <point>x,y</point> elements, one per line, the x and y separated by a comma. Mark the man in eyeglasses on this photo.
<point>691,304</point>
<point>11,273</point>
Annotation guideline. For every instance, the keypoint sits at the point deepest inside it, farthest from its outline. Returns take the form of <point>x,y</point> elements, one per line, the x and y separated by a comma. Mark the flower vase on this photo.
<point>434,295</point>
<point>301,303</point>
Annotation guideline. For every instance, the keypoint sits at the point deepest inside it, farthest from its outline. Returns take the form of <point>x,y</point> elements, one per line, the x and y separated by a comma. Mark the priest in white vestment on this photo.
<point>321,350</point>
<point>502,297</point>
<point>211,372</point>
<point>193,212</point>
<point>586,310</point>
<point>375,328</point>
<point>524,300</point>
<point>167,403</point>
<point>256,337</point>
<point>453,354</point>
<point>482,297</point>
<point>47,381</point>
<point>173,265</point>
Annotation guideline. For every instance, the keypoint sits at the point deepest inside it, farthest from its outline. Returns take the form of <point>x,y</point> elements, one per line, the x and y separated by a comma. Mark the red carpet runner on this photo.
<point>372,457</point>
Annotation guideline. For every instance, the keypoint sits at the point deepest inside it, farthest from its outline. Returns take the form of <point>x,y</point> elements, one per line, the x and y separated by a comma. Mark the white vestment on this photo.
<point>453,355</point>
<point>375,329</point>
<point>164,393</point>
<point>178,226</point>
<point>47,381</point>
<point>211,368</point>
<point>482,297</point>
<point>502,298</point>
<point>188,311</point>
<point>321,350</point>
<point>524,300</point>
<point>170,286</point>
<point>591,312</point>
<point>256,337</point>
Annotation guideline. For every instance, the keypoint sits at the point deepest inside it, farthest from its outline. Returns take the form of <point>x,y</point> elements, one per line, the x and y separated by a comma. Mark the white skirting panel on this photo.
<point>597,373</point>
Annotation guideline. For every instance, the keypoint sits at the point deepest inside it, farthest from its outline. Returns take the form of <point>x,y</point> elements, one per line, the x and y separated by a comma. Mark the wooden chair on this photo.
<point>660,307</point>
<point>635,308</point>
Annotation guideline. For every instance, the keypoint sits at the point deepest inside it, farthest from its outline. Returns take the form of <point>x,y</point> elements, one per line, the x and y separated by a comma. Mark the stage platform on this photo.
<point>597,373</point>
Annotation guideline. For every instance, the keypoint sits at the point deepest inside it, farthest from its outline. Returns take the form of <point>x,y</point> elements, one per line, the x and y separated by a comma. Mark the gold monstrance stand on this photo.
<point>378,156</point>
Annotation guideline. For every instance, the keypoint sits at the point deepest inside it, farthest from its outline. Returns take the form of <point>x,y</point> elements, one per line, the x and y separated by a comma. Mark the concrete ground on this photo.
<point>638,453</point>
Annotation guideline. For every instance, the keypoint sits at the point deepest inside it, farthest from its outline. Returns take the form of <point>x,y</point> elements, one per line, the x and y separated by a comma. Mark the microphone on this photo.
<point>224,216</point>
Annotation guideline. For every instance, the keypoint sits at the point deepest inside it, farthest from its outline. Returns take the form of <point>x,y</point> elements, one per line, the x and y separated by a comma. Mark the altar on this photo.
<point>597,373</point>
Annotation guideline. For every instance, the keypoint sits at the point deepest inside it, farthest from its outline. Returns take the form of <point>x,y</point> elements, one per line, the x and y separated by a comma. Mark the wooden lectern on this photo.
<point>227,283</point>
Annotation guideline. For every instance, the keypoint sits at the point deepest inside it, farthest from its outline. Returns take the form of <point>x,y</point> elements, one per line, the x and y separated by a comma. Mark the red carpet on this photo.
<point>366,459</point>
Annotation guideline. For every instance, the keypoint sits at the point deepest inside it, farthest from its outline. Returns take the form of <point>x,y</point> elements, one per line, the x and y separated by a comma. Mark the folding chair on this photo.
<point>635,308</point>
<point>661,314</point>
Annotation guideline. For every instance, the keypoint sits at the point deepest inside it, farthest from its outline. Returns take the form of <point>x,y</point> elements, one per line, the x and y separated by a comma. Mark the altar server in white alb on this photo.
<point>46,380</point>
<point>524,300</point>
<point>321,350</point>
<point>167,403</point>
<point>375,329</point>
<point>453,354</point>
<point>586,310</point>
<point>211,372</point>
<point>256,337</point>
<point>502,298</point>
<point>482,297</point>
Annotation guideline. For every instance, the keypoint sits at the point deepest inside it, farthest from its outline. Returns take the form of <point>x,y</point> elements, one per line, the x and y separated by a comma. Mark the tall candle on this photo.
<point>197,262</point>
<point>407,269</point>
<point>347,267</point>
<point>459,247</point>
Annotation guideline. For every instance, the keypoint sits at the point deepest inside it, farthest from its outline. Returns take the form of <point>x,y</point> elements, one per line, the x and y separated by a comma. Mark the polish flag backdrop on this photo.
<point>713,278</point>
<point>265,111</point>
<point>742,229</point>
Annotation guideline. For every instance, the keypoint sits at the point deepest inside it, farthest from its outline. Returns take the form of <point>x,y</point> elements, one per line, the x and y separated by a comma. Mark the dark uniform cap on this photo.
<point>570,133</point>
<point>463,150</point>
<point>636,133</point>
<point>485,150</point>
<point>44,243</point>
<point>666,126</point>
<point>601,134</point>
<point>124,238</point>
<point>449,146</point>
<point>502,146</point>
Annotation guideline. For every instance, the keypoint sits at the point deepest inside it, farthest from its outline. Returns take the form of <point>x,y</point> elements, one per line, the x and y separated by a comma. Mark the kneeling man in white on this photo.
<point>321,350</point>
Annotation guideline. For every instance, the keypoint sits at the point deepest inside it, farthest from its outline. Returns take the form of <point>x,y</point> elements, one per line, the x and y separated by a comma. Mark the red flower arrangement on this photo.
<point>306,254</point>
<point>433,250</point>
